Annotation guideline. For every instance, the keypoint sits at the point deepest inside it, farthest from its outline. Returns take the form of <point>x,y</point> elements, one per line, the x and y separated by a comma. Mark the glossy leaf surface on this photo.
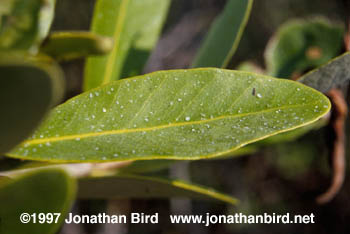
<point>224,36</point>
<point>135,26</point>
<point>136,186</point>
<point>179,114</point>
<point>46,191</point>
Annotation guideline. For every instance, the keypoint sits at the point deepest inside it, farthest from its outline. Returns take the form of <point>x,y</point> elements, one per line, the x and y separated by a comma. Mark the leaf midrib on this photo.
<point>122,131</point>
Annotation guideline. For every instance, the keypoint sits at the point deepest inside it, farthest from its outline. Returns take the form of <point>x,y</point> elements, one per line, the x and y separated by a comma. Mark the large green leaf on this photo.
<point>180,114</point>
<point>135,26</point>
<point>30,85</point>
<point>300,45</point>
<point>46,191</point>
<point>25,23</point>
<point>292,135</point>
<point>73,45</point>
<point>335,73</point>
<point>286,136</point>
<point>136,186</point>
<point>224,36</point>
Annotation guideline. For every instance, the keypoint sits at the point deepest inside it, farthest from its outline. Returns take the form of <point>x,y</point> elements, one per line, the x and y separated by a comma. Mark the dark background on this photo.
<point>279,179</point>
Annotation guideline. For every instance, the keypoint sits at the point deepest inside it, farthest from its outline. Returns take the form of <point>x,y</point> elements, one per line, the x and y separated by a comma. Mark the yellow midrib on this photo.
<point>116,36</point>
<point>122,131</point>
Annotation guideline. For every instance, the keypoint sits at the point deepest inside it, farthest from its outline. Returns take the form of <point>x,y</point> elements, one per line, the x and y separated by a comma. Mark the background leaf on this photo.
<point>47,14</point>
<point>146,166</point>
<point>180,114</point>
<point>25,23</point>
<point>250,67</point>
<point>45,191</point>
<point>5,8</point>
<point>300,45</point>
<point>136,186</point>
<point>335,73</point>
<point>224,36</point>
<point>30,85</point>
<point>73,45</point>
<point>135,26</point>
<point>150,166</point>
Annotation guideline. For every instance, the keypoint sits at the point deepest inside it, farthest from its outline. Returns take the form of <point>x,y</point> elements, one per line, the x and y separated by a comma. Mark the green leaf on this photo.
<point>292,135</point>
<point>45,191</point>
<point>301,45</point>
<point>180,114</point>
<point>30,85</point>
<point>246,150</point>
<point>73,45</point>
<point>135,26</point>
<point>224,36</point>
<point>136,186</point>
<point>335,73</point>
<point>149,166</point>
<point>25,23</point>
